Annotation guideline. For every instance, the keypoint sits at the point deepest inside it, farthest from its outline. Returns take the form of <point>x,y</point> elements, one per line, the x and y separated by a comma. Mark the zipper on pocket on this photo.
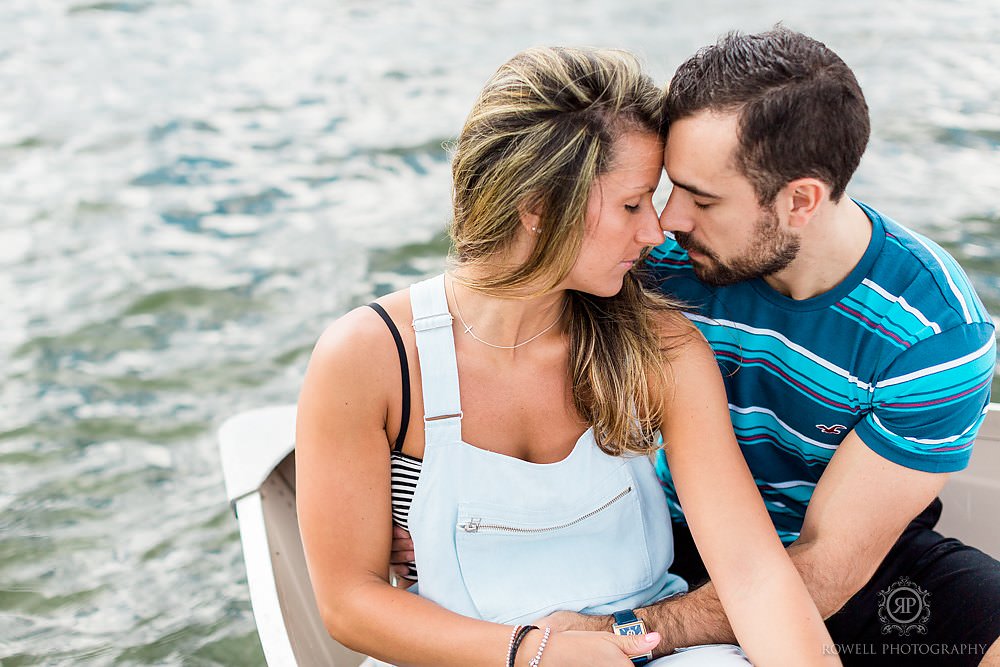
<point>475,524</point>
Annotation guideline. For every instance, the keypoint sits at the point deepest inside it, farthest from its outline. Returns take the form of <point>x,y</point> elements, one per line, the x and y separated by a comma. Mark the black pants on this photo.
<point>950,590</point>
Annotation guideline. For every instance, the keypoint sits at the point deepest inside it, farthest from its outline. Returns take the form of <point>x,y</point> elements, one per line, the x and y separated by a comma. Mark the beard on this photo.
<point>770,251</point>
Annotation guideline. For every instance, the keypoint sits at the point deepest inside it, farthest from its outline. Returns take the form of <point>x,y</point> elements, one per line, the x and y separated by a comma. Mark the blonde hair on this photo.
<point>544,128</point>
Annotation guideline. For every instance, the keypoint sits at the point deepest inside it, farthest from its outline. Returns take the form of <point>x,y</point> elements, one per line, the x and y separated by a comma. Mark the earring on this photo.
<point>535,229</point>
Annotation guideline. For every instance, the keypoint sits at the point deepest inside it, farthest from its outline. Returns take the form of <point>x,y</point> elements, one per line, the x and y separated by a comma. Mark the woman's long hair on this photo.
<point>542,131</point>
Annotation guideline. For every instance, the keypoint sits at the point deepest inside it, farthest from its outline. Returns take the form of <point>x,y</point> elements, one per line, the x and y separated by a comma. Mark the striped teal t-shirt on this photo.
<point>902,351</point>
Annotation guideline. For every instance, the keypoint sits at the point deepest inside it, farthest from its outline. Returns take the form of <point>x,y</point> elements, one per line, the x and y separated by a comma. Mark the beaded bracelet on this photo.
<point>534,662</point>
<point>515,643</point>
<point>510,645</point>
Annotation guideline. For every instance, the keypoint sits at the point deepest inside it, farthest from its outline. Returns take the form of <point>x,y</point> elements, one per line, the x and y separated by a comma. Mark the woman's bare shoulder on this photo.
<point>360,340</point>
<point>677,332</point>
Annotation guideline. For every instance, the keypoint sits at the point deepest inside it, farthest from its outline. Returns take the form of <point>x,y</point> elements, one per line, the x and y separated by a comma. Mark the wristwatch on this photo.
<point>626,623</point>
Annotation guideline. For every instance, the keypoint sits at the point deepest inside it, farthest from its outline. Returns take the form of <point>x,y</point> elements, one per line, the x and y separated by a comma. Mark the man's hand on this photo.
<point>402,553</point>
<point>567,620</point>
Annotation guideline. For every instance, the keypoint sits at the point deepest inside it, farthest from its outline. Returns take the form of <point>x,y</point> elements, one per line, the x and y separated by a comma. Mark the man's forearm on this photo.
<point>683,620</point>
<point>698,617</point>
<point>831,584</point>
<point>688,620</point>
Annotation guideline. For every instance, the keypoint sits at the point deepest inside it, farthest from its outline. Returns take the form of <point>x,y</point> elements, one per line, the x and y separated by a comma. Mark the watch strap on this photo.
<point>626,623</point>
<point>626,616</point>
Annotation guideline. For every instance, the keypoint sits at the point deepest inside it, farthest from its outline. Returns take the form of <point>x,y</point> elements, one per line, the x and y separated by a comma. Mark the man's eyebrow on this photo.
<point>694,190</point>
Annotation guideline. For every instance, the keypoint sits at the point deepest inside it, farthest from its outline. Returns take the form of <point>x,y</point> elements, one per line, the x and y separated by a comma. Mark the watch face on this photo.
<point>633,628</point>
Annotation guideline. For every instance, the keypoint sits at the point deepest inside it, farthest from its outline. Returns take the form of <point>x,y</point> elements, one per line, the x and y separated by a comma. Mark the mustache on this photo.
<point>685,241</point>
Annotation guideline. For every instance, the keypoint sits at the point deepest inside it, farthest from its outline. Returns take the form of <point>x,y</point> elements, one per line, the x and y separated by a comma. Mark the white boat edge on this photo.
<point>256,443</point>
<point>252,444</point>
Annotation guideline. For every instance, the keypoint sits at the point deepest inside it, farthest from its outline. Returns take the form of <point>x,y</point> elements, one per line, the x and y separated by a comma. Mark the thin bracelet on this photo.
<point>521,634</point>
<point>510,645</point>
<point>534,662</point>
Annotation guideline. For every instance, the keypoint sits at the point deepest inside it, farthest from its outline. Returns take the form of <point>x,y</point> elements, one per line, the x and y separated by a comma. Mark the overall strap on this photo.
<point>436,355</point>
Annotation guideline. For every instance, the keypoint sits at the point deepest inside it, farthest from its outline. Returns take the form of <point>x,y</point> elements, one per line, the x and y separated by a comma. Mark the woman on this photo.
<point>544,374</point>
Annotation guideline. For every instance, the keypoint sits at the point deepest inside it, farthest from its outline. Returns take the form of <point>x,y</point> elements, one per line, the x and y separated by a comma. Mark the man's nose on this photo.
<point>674,218</point>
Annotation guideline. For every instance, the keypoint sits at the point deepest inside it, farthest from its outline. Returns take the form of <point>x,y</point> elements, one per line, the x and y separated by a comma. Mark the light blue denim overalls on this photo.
<point>509,541</point>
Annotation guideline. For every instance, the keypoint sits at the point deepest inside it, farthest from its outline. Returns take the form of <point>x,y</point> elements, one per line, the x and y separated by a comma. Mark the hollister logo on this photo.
<point>836,429</point>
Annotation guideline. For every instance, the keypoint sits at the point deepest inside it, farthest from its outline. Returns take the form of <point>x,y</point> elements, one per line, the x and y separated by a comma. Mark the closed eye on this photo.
<point>631,209</point>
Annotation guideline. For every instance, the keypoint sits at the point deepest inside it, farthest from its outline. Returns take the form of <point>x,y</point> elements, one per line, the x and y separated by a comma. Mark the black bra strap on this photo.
<point>404,369</point>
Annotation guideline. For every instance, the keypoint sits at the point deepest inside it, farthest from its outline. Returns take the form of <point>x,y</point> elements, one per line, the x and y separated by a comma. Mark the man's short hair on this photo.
<point>801,110</point>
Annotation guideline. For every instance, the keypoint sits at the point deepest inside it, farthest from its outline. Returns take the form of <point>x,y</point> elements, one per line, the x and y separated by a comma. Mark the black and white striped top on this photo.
<point>405,471</point>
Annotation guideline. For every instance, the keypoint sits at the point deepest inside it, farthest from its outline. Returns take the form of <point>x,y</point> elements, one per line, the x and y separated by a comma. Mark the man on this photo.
<point>857,357</point>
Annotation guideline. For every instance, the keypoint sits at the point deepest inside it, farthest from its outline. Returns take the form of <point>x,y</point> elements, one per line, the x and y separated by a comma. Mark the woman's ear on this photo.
<point>530,220</point>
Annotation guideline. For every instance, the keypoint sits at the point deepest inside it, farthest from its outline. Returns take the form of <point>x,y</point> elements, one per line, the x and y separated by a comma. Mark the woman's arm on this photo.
<point>770,609</point>
<point>344,508</point>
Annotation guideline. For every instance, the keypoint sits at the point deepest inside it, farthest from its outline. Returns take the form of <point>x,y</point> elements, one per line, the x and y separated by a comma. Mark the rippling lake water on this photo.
<point>192,190</point>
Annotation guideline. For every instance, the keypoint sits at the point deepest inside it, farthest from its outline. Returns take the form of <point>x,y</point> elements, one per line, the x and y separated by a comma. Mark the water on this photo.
<point>192,190</point>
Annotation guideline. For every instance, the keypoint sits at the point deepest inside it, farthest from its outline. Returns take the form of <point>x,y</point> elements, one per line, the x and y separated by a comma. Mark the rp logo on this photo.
<point>903,608</point>
<point>836,429</point>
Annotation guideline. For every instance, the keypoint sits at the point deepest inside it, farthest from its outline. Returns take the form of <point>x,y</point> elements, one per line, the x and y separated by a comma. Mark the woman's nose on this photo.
<point>649,232</point>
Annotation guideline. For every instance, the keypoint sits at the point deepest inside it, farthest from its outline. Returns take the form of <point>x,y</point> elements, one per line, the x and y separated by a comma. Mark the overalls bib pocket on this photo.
<point>527,562</point>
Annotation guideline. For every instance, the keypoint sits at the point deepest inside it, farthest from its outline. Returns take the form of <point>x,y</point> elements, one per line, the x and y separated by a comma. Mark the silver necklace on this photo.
<point>468,327</point>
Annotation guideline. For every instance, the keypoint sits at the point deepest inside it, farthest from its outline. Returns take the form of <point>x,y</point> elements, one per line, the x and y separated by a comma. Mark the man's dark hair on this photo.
<point>801,111</point>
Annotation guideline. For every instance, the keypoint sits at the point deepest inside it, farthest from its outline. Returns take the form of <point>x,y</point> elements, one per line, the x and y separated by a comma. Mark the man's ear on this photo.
<point>802,199</point>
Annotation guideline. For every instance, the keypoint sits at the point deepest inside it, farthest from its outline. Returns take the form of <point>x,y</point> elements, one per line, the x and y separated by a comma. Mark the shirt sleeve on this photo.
<point>929,403</point>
